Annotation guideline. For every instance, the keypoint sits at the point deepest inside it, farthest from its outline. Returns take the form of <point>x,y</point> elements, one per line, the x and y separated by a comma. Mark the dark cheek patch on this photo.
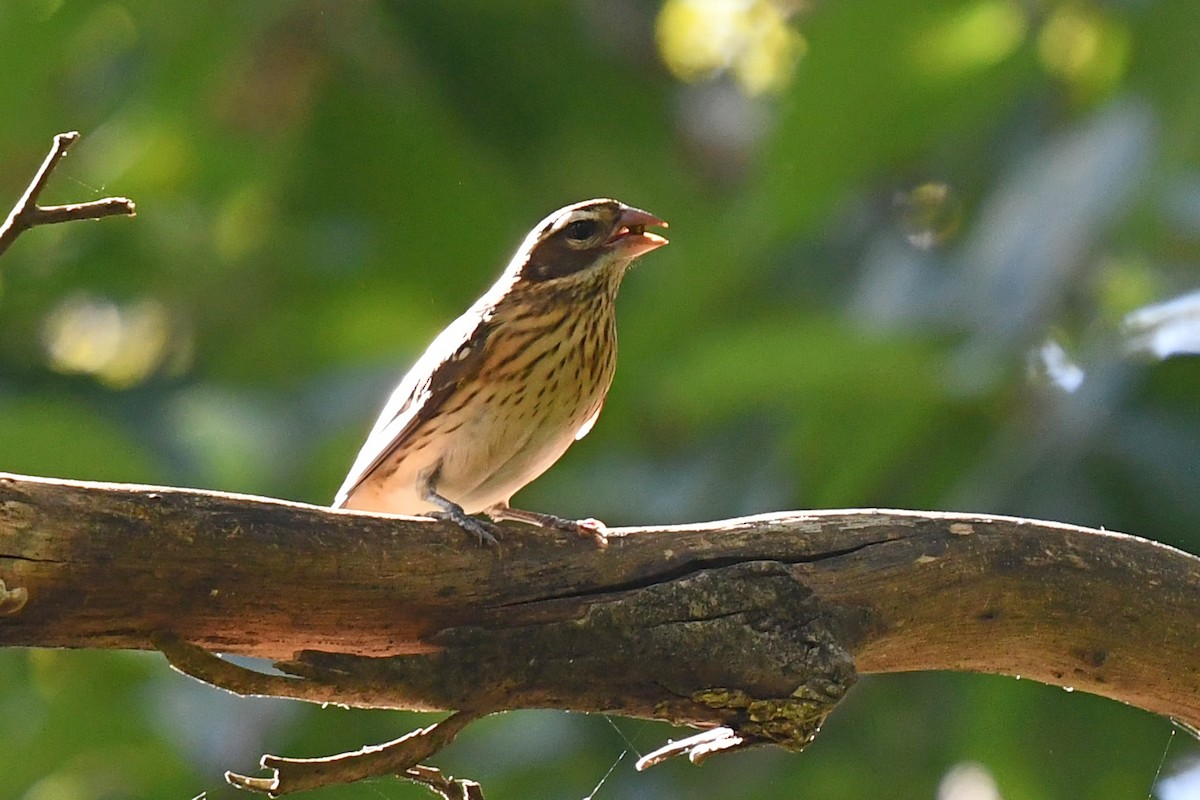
<point>554,259</point>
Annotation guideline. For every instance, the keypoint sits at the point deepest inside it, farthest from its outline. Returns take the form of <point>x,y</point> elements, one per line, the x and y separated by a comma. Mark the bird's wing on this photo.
<point>454,356</point>
<point>586,427</point>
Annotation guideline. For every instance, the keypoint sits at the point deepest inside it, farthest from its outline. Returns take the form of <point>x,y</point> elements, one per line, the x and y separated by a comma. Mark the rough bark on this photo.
<point>668,622</point>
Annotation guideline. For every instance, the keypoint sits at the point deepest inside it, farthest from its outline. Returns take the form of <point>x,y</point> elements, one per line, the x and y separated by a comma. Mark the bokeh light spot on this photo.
<point>968,781</point>
<point>1084,47</point>
<point>1050,365</point>
<point>974,37</point>
<point>60,786</point>
<point>1166,329</point>
<point>930,214</point>
<point>118,345</point>
<point>752,39</point>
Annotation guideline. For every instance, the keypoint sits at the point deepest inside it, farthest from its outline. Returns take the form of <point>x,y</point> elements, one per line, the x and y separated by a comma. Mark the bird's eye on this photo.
<point>581,229</point>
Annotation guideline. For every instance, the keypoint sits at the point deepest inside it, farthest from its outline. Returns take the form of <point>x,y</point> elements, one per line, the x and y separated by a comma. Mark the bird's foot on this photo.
<point>589,528</point>
<point>593,528</point>
<point>486,531</point>
<point>453,512</point>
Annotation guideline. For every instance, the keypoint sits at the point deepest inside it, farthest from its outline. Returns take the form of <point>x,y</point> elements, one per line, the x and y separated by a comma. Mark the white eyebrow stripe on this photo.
<point>574,216</point>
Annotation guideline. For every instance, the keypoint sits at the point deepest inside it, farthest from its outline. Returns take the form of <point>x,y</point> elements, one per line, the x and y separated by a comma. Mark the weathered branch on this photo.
<point>27,213</point>
<point>756,624</point>
<point>397,757</point>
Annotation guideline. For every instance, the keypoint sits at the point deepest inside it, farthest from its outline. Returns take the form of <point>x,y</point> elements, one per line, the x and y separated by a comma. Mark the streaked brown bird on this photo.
<point>503,391</point>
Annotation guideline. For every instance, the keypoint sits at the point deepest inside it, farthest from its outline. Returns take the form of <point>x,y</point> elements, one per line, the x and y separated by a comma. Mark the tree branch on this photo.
<point>27,213</point>
<point>396,757</point>
<point>752,627</point>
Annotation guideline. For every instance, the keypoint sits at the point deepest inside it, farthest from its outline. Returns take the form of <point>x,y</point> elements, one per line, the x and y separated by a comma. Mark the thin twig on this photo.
<point>202,665</point>
<point>697,748</point>
<point>396,757</point>
<point>27,213</point>
<point>445,786</point>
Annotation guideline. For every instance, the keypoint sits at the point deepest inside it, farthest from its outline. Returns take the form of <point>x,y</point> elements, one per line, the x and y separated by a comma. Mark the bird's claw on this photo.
<point>594,529</point>
<point>486,531</point>
<point>590,528</point>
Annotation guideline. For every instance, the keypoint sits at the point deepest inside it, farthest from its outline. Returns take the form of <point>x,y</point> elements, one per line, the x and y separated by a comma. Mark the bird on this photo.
<point>505,389</point>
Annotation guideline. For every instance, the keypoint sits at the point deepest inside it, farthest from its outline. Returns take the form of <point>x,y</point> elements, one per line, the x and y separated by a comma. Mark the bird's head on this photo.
<point>593,236</point>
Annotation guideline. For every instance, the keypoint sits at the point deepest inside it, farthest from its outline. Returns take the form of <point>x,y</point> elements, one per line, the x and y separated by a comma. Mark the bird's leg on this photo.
<point>453,512</point>
<point>591,528</point>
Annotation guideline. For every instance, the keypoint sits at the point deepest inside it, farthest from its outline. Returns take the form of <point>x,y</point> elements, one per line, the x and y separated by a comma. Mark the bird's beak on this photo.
<point>631,235</point>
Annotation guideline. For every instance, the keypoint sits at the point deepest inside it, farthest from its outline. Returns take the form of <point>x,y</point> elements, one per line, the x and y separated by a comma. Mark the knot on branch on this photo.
<point>12,600</point>
<point>745,646</point>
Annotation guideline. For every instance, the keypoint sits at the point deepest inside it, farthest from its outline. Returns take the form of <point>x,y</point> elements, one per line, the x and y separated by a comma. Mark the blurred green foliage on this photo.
<point>913,248</point>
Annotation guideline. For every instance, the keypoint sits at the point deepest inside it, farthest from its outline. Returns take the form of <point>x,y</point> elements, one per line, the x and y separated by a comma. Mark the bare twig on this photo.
<point>696,748</point>
<point>27,213</point>
<point>318,687</point>
<point>447,787</point>
<point>204,666</point>
<point>397,757</point>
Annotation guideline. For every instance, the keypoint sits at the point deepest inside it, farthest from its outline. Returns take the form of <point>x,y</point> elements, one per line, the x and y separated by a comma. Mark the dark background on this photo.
<point>917,254</point>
